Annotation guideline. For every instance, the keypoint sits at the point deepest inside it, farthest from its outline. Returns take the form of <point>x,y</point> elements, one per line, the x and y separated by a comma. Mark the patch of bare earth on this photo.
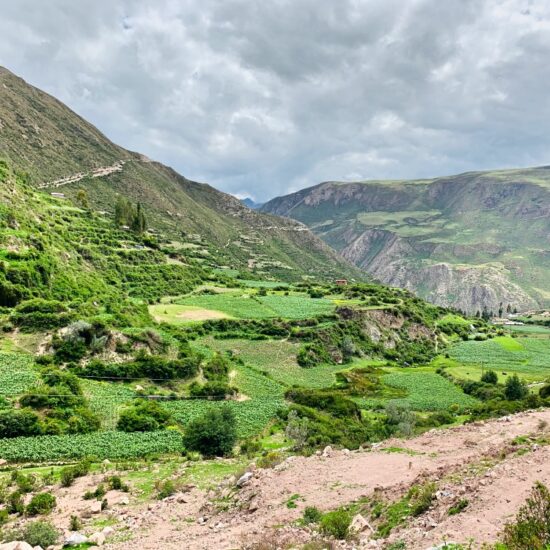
<point>476,462</point>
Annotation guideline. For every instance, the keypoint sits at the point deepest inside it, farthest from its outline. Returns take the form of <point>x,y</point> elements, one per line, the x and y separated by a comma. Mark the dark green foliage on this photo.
<point>144,366</point>
<point>145,416</point>
<point>311,355</point>
<point>515,388</point>
<point>544,392</point>
<point>40,504</point>
<point>311,515</point>
<point>531,528</point>
<point>217,389</point>
<point>15,503</point>
<point>489,377</point>
<point>420,498</point>
<point>336,524</point>
<point>116,484</point>
<point>19,422</point>
<point>40,314</point>
<point>327,400</point>
<point>213,434</point>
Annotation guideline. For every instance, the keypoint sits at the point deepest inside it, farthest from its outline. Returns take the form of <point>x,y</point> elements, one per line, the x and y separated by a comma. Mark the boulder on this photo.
<point>95,507</point>
<point>74,539</point>
<point>327,451</point>
<point>124,501</point>
<point>244,479</point>
<point>16,545</point>
<point>108,531</point>
<point>97,539</point>
<point>359,524</point>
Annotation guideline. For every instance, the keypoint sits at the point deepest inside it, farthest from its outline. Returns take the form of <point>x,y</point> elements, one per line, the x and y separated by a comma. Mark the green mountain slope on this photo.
<point>472,241</point>
<point>63,153</point>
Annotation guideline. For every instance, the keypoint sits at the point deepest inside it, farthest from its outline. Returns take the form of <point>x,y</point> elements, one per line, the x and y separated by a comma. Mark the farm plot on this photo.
<point>252,306</point>
<point>528,357</point>
<point>178,314</point>
<point>263,398</point>
<point>425,391</point>
<point>99,445</point>
<point>106,399</point>
<point>17,374</point>
<point>278,358</point>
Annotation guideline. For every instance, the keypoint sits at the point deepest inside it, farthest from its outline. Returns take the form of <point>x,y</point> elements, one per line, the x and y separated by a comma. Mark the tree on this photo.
<point>213,434</point>
<point>500,310</point>
<point>297,430</point>
<point>82,198</point>
<point>489,377</point>
<point>515,388</point>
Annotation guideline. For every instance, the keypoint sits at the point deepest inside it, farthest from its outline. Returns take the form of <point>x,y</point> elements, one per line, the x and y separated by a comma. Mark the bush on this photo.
<point>489,377</point>
<point>544,392</point>
<point>312,515</point>
<point>420,498</point>
<point>15,504</point>
<point>19,423</point>
<point>213,434</point>
<point>166,489</point>
<point>40,504</point>
<point>515,388</point>
<point>531,528</point>
<point>147,416</point>
<point>70,473</point>
<point>36,533</point>
<point>336,524</point>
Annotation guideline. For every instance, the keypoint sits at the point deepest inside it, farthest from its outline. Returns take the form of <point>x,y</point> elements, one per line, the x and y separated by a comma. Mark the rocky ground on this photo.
<point>482,463</point>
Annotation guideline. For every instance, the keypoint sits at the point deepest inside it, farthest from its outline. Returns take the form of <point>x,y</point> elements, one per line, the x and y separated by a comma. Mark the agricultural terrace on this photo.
<point>240,306</point>
<point>528,357</point>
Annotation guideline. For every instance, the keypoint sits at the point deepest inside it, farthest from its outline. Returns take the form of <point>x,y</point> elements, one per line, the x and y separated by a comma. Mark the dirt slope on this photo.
<point>485,470</point>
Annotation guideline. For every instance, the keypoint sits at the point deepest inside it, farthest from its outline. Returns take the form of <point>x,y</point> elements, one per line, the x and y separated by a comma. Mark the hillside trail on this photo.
<point>336,478</point>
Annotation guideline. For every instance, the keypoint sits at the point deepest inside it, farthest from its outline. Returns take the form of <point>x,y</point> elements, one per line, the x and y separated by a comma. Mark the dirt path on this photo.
<point>342,477</point>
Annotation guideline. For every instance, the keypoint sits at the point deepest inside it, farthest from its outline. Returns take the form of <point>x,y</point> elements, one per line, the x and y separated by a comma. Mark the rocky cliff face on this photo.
<point>472,241</point>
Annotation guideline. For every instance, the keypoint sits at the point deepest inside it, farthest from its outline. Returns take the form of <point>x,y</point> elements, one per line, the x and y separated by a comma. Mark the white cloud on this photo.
<point>265,97</point>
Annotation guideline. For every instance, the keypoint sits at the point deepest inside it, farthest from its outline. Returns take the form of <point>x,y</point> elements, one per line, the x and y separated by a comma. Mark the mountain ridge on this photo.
<point>472,241</point>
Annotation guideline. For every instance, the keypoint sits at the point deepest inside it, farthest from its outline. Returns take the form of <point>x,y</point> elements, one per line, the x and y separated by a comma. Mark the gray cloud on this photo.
<point>261,98</point>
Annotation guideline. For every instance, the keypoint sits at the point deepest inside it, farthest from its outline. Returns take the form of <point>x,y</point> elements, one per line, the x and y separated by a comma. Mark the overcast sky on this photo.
<point>260,98</point>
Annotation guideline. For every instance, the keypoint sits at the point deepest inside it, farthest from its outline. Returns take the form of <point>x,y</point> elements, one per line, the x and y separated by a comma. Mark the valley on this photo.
<point>177,369</point>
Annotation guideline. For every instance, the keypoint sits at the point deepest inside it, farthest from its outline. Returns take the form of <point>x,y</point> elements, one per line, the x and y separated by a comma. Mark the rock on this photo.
<point>108,531</point>
<point>124,501</point>
<point>75,539</point>
<point>244,479</point>
<point>16,545</point>
<point>359,524</point>
<point>327,451</point>
<point>97,538</point>
<point>95,507</point>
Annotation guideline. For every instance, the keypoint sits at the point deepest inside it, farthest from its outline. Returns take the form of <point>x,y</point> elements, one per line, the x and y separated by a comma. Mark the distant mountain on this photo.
<point>251,204</point>
<point>473,241</point>
<point>61,152</point>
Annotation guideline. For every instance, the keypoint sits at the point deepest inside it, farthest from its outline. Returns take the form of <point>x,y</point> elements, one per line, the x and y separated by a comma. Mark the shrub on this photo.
<point>116,484</point>
<point>42,503</point>
<point>312,515</point>
<point>420,498</point>
<point>489,377</point>
<point>18,423</point>
<point>460,506</point>
<point>515,388</point>
<point>531,528</point>
<point>213,434</point>
<point>70,473</point>
<point>166,489</point>
<point>147,416</point>
<point>544,392</point>
<point>15,504</point>
<point>38,533</point>
<point>336,524</point>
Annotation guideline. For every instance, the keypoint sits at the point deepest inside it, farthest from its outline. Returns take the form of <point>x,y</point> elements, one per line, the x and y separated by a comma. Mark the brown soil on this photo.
<point>474,462</point>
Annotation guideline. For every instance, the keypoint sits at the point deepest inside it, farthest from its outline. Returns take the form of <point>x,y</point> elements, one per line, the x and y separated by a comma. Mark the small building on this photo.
<point>341,282</point>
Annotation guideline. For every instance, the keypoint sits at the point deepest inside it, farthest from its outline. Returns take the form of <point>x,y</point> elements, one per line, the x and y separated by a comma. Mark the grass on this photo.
<point>528,357</point>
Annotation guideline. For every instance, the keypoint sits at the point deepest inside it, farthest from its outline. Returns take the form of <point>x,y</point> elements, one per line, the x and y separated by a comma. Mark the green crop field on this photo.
<point>261,399</point>
<point>100,445</point>
<point>106,399</point>
<point>278,358</point>
<point>16,373</point>
<point>528,357</point>
<point>425,391</point>
<point>252,306</point>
